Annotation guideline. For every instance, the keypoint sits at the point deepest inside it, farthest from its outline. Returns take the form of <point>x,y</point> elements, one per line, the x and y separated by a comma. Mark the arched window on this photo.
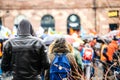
<point>48,21</point>
<point>73,23</point>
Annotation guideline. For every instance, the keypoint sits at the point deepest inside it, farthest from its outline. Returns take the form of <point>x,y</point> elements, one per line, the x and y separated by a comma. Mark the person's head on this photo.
<point>115,38</point>
<point>25,28</point>
<point>16,26</point>
<point>60,45</point>
<point>46,31</point>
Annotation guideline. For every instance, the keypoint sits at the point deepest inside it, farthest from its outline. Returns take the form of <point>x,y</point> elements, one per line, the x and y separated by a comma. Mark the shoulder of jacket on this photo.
<point>36,38</point>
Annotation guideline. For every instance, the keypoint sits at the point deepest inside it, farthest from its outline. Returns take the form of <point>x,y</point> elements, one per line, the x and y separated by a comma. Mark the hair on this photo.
<point>46,30</point>
<point>60,46</point>
<point>61,43</point>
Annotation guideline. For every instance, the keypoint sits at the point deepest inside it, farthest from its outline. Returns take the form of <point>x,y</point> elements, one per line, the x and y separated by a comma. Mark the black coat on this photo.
<point>25,55</point>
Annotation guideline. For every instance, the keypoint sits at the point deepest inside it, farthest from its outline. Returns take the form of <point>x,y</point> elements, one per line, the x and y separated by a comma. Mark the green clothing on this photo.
<point>78,58</point>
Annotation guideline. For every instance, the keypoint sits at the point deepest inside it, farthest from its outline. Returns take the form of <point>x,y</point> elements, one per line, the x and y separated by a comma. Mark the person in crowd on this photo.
<point>93,42</point>
<point>4,32</point>
<point>101,55</point>
<point>87,54</point>
<point>78,57</point>
<point>24,55</point>
<point>98,66</point>
<point>61,46</point>
<point>97,48</point>
<point>112,47</point>
<point>102,50</point>
<point>45,34</point>
<point>108,48</point>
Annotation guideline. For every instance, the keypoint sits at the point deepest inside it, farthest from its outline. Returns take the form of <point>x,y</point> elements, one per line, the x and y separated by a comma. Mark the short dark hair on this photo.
<point>46,30</point>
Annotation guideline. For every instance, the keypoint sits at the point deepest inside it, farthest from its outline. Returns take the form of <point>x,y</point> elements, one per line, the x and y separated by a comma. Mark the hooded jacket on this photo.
<point>60,46</point>
<point>25,55</point>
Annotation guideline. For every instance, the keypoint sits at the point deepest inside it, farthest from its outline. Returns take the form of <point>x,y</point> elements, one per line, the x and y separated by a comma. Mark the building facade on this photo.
<point>96,15</point>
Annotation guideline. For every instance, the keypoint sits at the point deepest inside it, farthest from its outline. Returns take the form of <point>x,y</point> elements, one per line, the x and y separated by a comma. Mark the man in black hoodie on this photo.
<point>25,55</point>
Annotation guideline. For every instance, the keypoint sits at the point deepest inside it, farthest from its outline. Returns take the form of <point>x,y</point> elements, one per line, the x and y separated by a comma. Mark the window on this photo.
<point>47,21</point>
<point>113,26</point>
<point>73,23</point>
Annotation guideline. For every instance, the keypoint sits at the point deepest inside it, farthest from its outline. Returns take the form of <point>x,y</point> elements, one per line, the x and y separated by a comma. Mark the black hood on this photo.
<point>32,31</point>
<point>25,28</point>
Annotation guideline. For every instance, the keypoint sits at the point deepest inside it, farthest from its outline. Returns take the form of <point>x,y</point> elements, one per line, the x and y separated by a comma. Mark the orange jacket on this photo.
<point>112,47</point>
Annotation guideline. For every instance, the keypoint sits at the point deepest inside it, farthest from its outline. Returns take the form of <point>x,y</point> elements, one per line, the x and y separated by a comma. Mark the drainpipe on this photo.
<point>94,8</point>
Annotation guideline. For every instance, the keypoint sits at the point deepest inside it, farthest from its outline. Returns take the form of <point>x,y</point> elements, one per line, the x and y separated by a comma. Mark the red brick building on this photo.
<point>92,14</point>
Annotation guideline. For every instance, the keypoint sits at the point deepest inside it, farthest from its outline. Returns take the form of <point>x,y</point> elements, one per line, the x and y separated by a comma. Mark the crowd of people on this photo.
<point>50,57</point>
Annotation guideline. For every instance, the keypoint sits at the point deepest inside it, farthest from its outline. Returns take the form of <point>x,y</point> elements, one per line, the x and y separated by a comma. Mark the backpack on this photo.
<point>60,68</point>
<point>88,54</point>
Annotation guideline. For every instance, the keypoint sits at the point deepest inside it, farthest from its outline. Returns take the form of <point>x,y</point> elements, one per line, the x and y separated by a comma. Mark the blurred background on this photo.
<point>65,16</point>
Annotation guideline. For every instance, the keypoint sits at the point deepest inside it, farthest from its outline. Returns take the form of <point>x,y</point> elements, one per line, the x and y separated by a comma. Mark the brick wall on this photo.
<point>34,10</point>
